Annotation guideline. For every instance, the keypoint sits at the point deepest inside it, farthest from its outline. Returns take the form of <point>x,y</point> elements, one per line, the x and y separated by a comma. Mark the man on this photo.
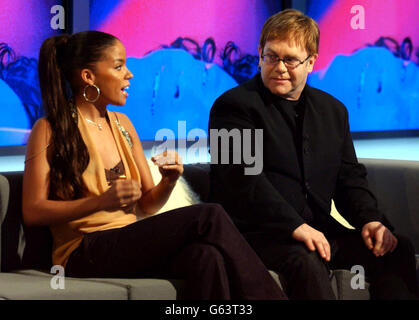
<point>308,160</point>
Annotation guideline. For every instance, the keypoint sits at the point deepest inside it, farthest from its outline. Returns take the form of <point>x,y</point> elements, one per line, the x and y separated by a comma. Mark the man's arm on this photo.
<point>356,203</point>
<point>353,198</point>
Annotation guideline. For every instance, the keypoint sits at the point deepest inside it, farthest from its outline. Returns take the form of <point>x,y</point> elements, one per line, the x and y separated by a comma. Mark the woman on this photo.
<point>87,178</point>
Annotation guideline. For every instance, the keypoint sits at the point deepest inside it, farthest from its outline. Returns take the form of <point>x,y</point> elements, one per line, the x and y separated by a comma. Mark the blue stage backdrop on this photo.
<point>24,25</point>
<point>369,59</point>
<point>185,53</point>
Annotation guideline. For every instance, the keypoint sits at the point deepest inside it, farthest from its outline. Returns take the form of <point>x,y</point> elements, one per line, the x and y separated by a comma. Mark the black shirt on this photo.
<point>293,112</point>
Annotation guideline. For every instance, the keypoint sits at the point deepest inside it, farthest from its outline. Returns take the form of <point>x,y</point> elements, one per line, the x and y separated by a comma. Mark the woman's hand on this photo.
<point>170,166</point>
<point>122,194</point>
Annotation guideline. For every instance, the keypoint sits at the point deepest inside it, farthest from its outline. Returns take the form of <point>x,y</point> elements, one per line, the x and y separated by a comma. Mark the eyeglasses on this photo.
<point>289,62</point>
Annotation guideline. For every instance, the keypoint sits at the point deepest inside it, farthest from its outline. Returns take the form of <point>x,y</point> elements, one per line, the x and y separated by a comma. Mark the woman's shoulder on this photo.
<point>41,125</point>
<point>39,138</point>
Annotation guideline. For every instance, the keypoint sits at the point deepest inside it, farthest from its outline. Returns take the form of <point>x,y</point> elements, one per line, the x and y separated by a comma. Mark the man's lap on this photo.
<point>347,250</point>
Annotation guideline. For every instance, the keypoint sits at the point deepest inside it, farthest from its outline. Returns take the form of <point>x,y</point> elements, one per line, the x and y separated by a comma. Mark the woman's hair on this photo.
<point>61,59</point>
<point>291,24</point>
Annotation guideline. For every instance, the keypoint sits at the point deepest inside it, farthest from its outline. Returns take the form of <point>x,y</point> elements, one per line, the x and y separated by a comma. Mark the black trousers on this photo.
<point>199,244</point>
<point>305,275</point>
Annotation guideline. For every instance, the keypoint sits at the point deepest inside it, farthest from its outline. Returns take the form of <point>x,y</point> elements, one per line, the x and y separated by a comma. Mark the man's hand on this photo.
<point>378,238</point>
<point>314,240</point>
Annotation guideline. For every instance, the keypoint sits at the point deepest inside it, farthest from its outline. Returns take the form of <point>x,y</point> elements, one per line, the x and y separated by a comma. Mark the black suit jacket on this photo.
<point>273,201</point>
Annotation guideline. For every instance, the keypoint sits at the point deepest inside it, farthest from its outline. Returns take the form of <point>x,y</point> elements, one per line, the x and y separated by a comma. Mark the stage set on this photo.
<point>184,54</point>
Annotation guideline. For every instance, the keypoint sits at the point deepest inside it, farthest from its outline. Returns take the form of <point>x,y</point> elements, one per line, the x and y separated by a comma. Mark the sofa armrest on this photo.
<point>4,202</point>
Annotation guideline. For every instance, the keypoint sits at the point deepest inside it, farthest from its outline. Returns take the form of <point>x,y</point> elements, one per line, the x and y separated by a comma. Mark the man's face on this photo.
<point>285,82</point>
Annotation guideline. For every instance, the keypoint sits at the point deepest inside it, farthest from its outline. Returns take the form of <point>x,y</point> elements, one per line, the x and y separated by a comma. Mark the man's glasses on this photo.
<point>289,62</point>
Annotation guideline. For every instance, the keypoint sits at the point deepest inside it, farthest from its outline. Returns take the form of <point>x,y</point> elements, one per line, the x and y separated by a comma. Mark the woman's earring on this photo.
<point>258,68</point>
<point>85,95</point>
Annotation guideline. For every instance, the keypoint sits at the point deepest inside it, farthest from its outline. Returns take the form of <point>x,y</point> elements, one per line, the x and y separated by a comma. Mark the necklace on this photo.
<point>95,124</point>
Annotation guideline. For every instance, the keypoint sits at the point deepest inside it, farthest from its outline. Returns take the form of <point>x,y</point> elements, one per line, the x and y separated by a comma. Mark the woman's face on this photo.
<point>112,76</point>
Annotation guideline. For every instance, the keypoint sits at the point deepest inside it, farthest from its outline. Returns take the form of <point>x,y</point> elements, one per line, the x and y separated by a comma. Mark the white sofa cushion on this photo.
<point>182,194</point>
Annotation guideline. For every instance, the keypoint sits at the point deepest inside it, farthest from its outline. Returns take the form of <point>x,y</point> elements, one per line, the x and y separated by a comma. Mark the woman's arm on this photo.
<point>38,210</point>
<point>153,197</point>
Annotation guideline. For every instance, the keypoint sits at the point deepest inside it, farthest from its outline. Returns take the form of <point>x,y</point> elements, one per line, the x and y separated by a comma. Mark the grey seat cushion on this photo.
<point>341,283</point>
<point>4,201</point>
<point>396,184</point>
<point>135,289</point>
<point>147,289</point>
<point>31,284</point>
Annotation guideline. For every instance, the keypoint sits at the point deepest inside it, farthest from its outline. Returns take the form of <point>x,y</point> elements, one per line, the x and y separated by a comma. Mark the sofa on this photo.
<point>25,261</point>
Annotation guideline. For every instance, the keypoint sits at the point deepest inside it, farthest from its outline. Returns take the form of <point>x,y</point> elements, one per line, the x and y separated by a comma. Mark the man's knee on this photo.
<point>306,276</point>
<point>309,262</point>
<point>306,263</point>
